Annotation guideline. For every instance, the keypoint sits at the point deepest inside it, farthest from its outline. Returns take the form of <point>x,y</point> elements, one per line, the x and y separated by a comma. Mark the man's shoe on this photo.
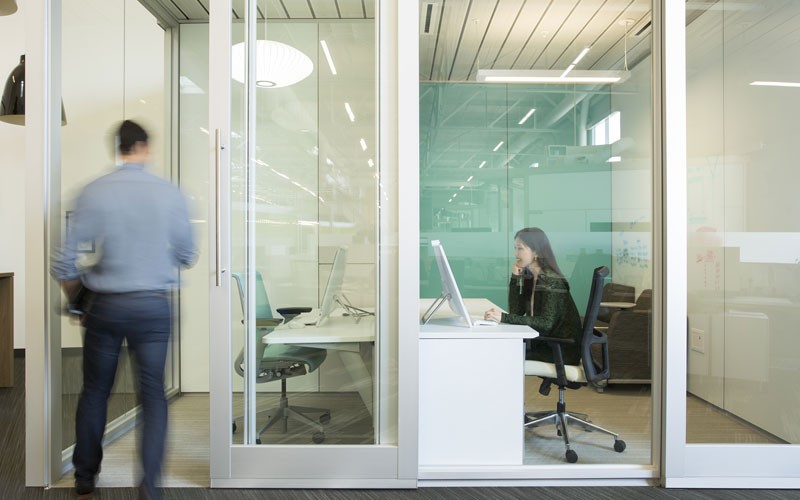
<point>84,488</point>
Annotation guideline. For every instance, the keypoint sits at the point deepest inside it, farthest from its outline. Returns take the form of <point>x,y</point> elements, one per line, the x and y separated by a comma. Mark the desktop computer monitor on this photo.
<point>450,290</point>
<point>333,289</point>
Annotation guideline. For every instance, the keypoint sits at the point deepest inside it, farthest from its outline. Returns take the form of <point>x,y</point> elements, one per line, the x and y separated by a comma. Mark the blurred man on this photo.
<point>139,224</point>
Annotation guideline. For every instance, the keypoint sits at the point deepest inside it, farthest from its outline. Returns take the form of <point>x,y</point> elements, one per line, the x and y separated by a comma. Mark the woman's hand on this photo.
<point>493,314</point>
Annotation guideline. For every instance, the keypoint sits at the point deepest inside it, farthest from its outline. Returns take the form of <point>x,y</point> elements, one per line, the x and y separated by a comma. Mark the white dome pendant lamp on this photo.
<point>277,64</point>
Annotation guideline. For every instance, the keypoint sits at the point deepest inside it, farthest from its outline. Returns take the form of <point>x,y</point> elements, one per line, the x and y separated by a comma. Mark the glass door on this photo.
<point>732,358</point>
<point>303,355</point>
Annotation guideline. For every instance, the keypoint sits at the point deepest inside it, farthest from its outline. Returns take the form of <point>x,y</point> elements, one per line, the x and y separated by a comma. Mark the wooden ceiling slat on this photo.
<point>369,8</point>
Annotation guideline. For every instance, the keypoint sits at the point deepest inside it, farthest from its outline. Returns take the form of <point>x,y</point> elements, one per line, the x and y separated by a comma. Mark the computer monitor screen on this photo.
<point>449,285</point>
<point>333,289</point>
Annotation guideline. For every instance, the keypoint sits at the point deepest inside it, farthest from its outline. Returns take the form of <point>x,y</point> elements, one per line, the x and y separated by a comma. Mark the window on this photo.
<point>607,130</point>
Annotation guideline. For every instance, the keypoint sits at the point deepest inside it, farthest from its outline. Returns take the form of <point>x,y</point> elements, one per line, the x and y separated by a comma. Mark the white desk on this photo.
<point>341,334</point>
<point>471,384</point>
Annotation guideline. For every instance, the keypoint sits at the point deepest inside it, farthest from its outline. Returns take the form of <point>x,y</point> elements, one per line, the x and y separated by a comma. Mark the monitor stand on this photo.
<point>437,303</point>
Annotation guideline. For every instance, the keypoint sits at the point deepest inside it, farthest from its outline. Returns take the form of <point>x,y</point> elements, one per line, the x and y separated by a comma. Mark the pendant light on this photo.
<point>12,105</point>
<point>7,7</point>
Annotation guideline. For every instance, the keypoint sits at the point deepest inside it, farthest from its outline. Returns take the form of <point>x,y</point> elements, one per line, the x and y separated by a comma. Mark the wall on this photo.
<point>12,171</point>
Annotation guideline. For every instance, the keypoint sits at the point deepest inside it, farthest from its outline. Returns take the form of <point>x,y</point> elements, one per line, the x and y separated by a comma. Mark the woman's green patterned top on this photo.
<point>550,311</point>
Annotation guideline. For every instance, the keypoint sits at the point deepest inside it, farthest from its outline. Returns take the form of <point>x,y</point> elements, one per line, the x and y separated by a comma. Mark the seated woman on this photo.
<point>538,296</point>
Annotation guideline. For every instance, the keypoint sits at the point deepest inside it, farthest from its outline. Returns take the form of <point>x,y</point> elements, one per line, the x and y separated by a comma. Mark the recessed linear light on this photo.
<point>363,144</point>
<point>535,164</point>
<point>328,55</point>
<point>775,84</point>
<point>450,200</point>
<point>470,178</point>
<point>580,56</point>
<point>614,159</point>
<point>498,145</point>
<point>550,76</point>
<point>569,68</point>
<point>370,162</point>
<point>483,163</point>
<point>527,115</point>
<point>461,187</point>
<point>349,112</point>
<point>454,195</point>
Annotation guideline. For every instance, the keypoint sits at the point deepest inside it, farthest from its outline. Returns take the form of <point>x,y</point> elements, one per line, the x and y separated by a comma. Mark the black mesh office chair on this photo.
<point>574,376</point>
<point>280,362</point>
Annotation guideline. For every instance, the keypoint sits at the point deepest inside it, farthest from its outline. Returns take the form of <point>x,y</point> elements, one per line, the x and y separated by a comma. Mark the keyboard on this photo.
<point>308,318</point>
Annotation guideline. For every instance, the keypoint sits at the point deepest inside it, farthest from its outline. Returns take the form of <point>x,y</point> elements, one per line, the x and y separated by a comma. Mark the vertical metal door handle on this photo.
<point>217,161</point>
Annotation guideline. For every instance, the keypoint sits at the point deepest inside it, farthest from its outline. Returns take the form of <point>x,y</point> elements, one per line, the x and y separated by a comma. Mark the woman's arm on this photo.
<point>554,297</point>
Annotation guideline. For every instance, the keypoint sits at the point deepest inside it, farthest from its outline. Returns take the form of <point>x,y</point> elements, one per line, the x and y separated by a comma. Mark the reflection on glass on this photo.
<point>304,213</point>
<point>99,97</point>
<point>743,276</point>
<point>574,159</point>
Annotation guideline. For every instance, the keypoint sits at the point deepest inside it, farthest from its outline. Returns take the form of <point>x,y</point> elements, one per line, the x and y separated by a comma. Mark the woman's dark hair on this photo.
<point>535,239</point>
<point>129,134</point>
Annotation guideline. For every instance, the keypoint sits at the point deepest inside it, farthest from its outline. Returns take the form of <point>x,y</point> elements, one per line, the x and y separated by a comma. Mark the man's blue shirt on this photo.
<point>138,226</point>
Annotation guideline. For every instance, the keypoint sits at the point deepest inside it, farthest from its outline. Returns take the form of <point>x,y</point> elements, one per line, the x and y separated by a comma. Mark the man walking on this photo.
<point>140,225</point>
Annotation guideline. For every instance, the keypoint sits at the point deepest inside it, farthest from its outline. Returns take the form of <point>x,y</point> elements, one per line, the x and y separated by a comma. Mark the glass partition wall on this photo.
<point>561,149</point>
<point>743,288</point>
<point>130,84</point>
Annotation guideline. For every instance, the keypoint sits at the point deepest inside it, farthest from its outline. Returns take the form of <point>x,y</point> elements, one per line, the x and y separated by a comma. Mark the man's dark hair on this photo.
<point>129,134</point>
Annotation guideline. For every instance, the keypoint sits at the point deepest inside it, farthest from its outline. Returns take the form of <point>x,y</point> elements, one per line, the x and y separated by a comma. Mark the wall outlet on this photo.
<point>697,340</point>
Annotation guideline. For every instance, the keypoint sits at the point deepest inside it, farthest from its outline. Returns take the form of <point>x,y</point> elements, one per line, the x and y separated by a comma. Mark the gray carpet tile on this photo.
<point>12,478</point>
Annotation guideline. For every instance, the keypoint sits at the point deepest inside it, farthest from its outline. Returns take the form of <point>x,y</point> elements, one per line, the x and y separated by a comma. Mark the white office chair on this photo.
<point>574,376</point>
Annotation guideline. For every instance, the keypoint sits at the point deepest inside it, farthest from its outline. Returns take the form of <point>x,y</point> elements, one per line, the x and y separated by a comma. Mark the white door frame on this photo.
<point>378,466</point>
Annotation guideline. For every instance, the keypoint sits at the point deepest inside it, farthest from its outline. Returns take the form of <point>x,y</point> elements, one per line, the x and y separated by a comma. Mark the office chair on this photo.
<point>280,362</point>
<point>574,376</point>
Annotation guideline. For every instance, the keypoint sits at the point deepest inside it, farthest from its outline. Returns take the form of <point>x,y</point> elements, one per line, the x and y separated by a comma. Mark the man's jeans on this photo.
<point>143,319</point>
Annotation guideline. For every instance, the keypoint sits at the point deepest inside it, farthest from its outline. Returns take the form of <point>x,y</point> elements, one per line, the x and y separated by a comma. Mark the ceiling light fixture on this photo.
<point>7,7</point>
<point>498,146</point>
<point>363,144</point>
<point>328,55</point>
<point>12,104</point>
<point>277,64</point>
<point>775,84</point>
<point>349,112</point>
<point>550,76</point>
<point>483,163</point>
<point>527,115</point>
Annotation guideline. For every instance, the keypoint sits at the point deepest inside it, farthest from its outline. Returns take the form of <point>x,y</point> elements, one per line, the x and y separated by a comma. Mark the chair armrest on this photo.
<point>559,340</point>
<point>268,322</point>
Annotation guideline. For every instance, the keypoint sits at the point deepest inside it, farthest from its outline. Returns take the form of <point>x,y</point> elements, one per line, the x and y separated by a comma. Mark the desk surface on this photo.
<point>619,305</point>
<point>445,324</point>
<point>338,329</point>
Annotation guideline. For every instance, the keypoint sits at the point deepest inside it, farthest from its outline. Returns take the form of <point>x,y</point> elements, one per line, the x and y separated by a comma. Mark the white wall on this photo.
<point>93,86</point>
<point>12,173</point>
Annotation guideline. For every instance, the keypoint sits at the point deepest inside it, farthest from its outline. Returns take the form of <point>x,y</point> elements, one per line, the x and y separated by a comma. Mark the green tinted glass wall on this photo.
<point>490,166</point>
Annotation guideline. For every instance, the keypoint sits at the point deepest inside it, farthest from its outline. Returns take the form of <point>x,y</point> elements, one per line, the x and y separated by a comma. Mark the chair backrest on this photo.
<point>594,374</point>
<point>263,309</point>
<point>645,300</point>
